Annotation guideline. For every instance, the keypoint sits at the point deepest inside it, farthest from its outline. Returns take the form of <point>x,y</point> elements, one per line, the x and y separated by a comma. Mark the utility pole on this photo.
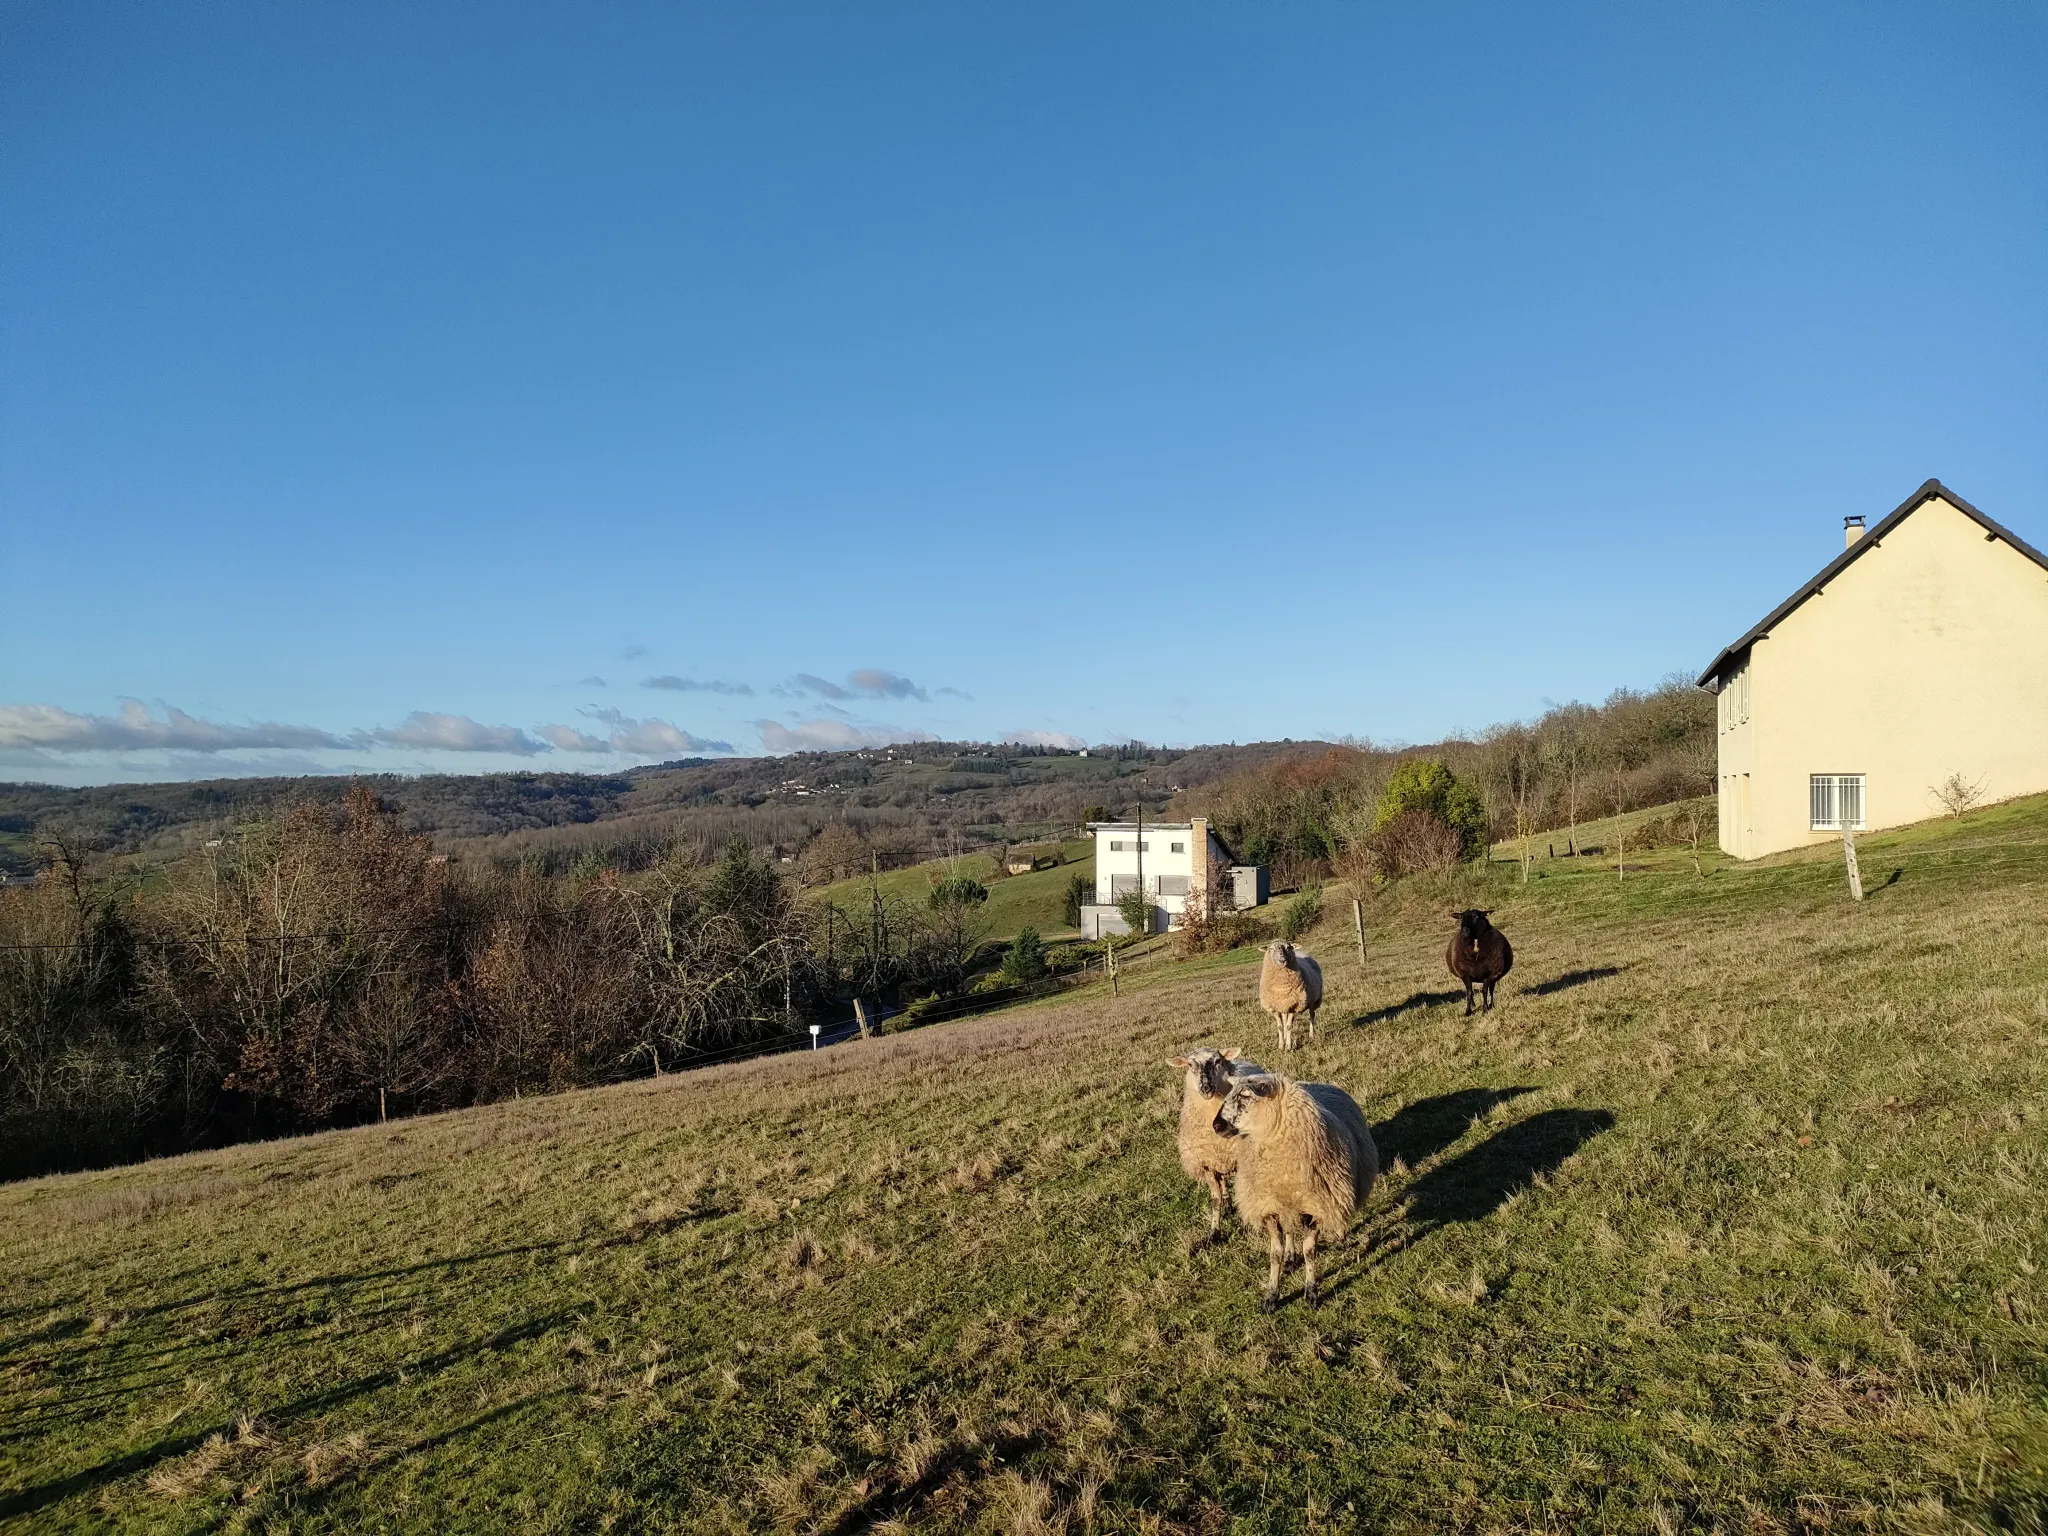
<point>1141,849</point>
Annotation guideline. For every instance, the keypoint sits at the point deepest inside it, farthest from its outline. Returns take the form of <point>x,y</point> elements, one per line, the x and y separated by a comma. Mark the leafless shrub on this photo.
<point>1415,842</point>
<point>1957,794</point>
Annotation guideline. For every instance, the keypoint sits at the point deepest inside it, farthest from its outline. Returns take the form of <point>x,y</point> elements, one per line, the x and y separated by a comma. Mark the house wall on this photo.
<point>1925,657</point>
<point>1199,852</point>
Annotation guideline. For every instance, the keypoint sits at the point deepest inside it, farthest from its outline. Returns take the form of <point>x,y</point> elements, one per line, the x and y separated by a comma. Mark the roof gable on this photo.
<point>1931,491</point>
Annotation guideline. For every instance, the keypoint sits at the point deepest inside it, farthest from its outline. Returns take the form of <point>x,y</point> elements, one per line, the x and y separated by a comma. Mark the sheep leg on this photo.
<point>1468,999</point>
<point>1308,1262</point>
<point>1276,1262</point>
<point>1311,1023</point>
<point>1489,999</point>
<point>1215,1232</point>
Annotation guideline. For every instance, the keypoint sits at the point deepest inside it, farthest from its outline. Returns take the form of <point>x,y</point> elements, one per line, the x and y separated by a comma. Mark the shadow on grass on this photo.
<point>1572,979</point>
<point>895,1500</point>
<point>1421,1130</point>
<point>1407,1004</point>
<point>1477,1183</point>
<point>42,1495</point>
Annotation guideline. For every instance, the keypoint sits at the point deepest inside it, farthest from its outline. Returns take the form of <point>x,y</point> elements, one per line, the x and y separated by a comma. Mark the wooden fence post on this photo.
<point>860,1017</point>
<point>1358,922</point>
<point>1109,959</point>
<point>1849,858</point>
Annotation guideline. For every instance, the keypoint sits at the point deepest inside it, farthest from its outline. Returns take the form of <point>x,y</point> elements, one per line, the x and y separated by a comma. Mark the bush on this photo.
<point>1026,960</point>
<point>1414,842</point>
<point>965,891</point>
<point>1302,914</point>
<point>1062,958</point>
<point>1421,784</point>
<point>1135,907</point>
<point>1080,892</point>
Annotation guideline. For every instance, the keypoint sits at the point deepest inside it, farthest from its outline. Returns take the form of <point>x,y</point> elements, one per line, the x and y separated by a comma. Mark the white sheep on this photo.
<point>1208,1158</point>
<point>1290,984</point>
<point>1306,1165</point>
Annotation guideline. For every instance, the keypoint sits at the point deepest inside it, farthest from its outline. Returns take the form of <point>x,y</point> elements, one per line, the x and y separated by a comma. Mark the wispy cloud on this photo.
<point>831,736</point>
<point>877,684</point>
<point>805,682</point>
<point>951,693</point>
<point>425,730</point>
<point>861,683</point>
<point>135,729</point>
<point>633,738</point>
<point>633,653</point>
<point>693,685</point>
<point>1043,739</point>
<point>591,682</point>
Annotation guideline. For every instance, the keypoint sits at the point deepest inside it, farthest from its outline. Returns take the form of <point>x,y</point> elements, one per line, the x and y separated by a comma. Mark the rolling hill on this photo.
<point>1728,1218</point>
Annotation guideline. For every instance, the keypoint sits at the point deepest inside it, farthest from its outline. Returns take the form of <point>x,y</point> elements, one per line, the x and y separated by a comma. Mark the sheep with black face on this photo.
<point>1307,1163</point>
<point>1208,1075</point>
<point>1478,955</point>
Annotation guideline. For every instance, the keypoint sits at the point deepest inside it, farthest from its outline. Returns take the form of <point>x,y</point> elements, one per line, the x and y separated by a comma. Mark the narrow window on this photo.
<point>1115,846</point>
<point>1836,801</point>
<point>1176,847</point>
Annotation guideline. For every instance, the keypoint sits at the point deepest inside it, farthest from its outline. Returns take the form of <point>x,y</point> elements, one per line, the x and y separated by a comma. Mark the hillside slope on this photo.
<point>1730,1217</point>
<point>1015,902</point>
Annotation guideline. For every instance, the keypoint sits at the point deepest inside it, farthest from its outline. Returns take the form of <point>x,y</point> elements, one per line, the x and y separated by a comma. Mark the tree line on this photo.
<point>325,966</point>
<point>1317,811</point>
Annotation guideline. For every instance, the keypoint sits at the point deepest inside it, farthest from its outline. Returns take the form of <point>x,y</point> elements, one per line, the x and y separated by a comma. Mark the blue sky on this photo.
<point>429,388</point>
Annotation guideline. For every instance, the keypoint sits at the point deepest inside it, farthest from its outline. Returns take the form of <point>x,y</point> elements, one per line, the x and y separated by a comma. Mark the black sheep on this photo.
<point>1479,955</point>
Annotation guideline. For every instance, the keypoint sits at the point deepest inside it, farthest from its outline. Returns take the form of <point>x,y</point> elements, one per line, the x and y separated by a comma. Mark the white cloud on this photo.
<point>453,733</point>
<point>1043,739</point>
<point>635,738</point>
<point>566,738</point>
<point>831,736</point>
<point>134,729</point>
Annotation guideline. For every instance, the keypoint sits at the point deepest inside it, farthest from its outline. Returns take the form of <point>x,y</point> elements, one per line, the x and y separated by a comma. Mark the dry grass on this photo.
<point>1729,1218</point>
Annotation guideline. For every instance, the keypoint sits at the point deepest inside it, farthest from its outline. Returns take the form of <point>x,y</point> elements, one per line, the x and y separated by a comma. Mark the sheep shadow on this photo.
<point>1407,1004</point>
<point>1572,979</point>
<point>1475,1184</point>
<point>1418,1131</point>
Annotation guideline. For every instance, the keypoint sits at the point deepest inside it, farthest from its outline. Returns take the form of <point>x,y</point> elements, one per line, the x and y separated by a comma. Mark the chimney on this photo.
<point>1198,845</point>
<point>1852,530</point>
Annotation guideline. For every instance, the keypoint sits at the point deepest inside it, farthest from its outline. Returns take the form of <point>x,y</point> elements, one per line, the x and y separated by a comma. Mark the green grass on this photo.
<point>1730,1217</point>
<point>1015,902</point>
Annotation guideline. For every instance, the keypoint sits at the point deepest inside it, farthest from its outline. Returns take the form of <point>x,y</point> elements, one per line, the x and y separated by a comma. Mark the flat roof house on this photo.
<point>1918,653</point>
<point>1169,861</point>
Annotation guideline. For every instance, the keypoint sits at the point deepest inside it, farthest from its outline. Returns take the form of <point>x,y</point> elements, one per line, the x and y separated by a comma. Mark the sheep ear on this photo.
<point>1180,1061</point>
<point>1231,1052</point>
<point>1263,1087</point>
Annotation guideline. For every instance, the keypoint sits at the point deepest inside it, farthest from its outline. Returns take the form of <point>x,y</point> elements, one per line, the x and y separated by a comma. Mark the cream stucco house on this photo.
<point>1919,652</point>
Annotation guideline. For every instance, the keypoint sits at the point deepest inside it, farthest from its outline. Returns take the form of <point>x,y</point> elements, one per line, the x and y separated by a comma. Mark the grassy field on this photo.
<point>1730,1217</point>
<point>1015,902</point>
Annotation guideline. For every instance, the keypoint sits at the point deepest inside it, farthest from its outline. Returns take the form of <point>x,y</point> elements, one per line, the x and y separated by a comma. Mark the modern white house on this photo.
<point>1173,862</point>
<point>1917,656</point>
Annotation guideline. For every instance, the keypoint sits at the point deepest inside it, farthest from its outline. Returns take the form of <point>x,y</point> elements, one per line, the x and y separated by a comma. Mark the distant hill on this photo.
<point>913,801</point>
